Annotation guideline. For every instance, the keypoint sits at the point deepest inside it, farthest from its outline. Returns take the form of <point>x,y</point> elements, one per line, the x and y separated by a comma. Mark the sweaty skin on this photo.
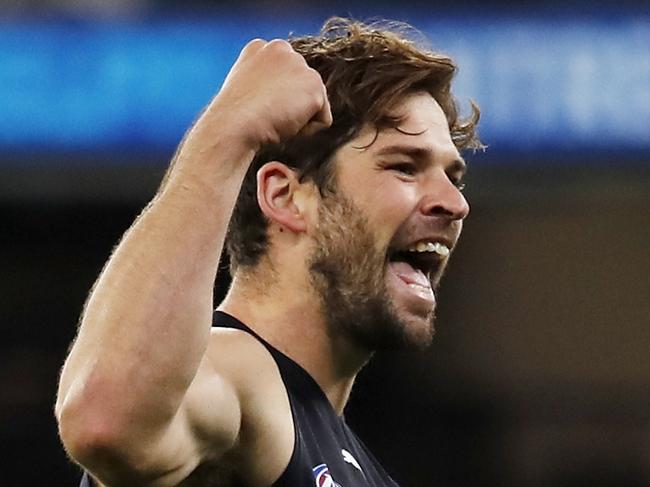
<point>149,394</point>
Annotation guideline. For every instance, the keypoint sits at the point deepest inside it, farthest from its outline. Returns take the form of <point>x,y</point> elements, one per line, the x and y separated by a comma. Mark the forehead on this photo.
<point>423,124</point>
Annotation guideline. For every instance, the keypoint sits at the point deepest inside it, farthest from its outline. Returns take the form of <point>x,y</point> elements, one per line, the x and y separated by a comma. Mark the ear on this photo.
<point>277,188</point>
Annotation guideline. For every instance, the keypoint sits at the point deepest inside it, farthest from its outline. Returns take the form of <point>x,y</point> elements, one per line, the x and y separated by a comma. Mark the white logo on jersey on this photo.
<point>347,457</point>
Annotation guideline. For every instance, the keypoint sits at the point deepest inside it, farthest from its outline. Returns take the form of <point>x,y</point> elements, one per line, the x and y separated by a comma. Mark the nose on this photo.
<point>443,199</point>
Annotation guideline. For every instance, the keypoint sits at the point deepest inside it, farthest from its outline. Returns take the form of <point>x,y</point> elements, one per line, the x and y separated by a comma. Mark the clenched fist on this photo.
<point>271,94</point>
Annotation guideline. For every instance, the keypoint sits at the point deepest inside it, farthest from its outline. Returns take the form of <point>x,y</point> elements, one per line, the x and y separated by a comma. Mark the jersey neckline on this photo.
<point>307,377</point>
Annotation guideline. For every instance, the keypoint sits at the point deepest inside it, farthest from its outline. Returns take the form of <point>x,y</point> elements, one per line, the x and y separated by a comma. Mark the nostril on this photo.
<point>439,210</point>
<point>455,208</point>
<point>445,204</point>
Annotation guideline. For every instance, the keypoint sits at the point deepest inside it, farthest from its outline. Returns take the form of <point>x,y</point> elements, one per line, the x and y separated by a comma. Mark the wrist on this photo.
<point>216,140</point>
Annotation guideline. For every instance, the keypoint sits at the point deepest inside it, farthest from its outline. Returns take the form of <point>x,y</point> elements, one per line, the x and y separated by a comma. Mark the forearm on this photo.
<point>146,323</point>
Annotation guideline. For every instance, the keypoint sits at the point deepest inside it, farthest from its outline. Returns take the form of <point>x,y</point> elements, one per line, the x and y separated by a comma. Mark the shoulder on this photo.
<point>244,361</point>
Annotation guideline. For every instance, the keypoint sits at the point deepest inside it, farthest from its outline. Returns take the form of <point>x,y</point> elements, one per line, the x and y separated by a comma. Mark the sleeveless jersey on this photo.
<point>326,451</point>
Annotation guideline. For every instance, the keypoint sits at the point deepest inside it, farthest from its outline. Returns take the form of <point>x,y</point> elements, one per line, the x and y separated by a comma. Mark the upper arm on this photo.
<point>236,403</point>
<point>205,427</point>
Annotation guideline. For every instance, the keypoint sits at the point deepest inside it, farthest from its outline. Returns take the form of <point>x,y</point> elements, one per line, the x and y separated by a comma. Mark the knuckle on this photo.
<point>254,45</point>
<point>279,45</point>
<point>316,80</point>
<point>315,101</point>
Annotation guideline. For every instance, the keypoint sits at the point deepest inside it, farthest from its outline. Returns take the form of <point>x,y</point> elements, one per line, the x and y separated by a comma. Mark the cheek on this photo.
<point>390,205</point>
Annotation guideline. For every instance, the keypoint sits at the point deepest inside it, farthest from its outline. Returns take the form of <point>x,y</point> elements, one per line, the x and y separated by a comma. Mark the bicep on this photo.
<point>205,427</point>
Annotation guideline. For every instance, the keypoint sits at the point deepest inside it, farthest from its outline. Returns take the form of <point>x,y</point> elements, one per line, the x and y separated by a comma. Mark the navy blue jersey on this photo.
<point>326,451</point>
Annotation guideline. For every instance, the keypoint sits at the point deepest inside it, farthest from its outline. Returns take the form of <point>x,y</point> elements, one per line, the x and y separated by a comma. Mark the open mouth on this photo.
<point>420,263</point>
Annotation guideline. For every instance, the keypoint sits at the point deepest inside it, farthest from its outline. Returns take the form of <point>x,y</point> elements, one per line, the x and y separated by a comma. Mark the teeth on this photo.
<point>440,249</point>
<point>416,286</point>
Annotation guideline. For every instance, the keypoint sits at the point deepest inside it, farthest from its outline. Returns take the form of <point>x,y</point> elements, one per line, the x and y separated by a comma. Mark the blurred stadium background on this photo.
<point>540,372</point>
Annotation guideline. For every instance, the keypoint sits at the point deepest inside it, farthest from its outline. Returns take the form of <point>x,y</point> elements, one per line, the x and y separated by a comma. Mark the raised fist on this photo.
<point>271,94</point>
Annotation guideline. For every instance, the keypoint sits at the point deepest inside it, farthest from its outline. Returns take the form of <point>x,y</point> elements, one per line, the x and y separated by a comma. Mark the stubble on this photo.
<point>348,270</point>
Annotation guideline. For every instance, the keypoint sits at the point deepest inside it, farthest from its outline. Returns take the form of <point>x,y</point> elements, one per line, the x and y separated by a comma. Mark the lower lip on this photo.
<point>421,299</point>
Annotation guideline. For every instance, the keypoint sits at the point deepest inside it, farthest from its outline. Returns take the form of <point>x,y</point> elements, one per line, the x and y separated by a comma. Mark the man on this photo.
<point>342,229</point>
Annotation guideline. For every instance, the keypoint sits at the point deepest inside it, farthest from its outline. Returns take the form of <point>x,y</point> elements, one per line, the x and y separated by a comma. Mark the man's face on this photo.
<point>385,235</point>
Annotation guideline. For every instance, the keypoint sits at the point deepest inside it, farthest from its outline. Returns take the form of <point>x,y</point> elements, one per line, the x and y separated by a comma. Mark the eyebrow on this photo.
<point>422,154</point>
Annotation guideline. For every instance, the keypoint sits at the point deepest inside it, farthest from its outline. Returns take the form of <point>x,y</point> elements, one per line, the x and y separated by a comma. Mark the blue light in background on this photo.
<point>542,84</point>
<point>559,85</point>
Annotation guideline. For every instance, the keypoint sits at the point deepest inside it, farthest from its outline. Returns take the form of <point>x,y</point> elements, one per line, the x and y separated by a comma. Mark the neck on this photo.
<point>289,317</point>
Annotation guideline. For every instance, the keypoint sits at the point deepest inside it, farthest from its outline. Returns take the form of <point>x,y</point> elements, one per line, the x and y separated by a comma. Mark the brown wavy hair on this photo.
<point>367,69</point>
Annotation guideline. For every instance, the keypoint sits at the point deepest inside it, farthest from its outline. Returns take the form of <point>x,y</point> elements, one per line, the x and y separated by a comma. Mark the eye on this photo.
<point>460,185</point>
<point>456,178</point>
<point>407,168</point>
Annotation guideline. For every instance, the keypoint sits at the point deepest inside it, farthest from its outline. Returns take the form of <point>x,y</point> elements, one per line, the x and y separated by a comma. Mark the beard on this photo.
<point>348,272</point>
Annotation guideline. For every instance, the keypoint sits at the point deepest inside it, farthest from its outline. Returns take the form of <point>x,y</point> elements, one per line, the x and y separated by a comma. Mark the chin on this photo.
<point>417,330</point>
<point>402,330</point>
